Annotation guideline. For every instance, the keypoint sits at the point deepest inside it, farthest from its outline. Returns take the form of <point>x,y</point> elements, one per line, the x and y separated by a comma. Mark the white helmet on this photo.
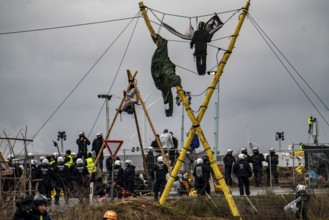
<point>81,133</point>
<point>241,156</point>
<point>45,161</point>
<point>272,149</point>
<point>229,151</point>
<point>79,161</point>
<point>199,161</point>
<point>74,155</point>
<point>160,159</point>
<point>60,160</point>
<point>33,162</point>
<point>300,187</point>
<point>55,154</point>
<point>41,158</point>
<point>128,162</point>
<point>99,134</point>
<point>30,155</point>
<point>255,148</point>
<point>117,163</point>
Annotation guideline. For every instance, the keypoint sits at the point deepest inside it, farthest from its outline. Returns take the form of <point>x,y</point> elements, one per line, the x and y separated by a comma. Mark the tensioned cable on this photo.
<point>200,16</point>
<point>290,64</point>
<point>76,86</point>
<point>65,26</point>
<point>268,44</point>
<point>119,67</point>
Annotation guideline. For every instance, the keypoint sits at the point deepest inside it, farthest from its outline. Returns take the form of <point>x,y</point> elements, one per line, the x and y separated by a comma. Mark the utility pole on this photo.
<point>61,136</point>
<point>178,102</point>
<point>217,123</point>
<point>279,136</point>
<point>107,99</point>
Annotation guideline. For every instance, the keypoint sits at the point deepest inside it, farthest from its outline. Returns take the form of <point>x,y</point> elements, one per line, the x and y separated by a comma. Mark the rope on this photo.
<point>80,81</point>
<point>92,128</point>
<point>262,34</point>
<point>65,26</point>
<point>289,63</point>
<point>189,17</point>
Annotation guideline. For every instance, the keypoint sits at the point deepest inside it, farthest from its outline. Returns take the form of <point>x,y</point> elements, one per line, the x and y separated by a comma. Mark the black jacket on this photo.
<point>257,160</point>
<point>129,174</point>
<point>97,144</point>
<point>159,171</point>
<point>82,143</point>
<point>200,39</point>
<point>242,169</point>
<point>229,160</point>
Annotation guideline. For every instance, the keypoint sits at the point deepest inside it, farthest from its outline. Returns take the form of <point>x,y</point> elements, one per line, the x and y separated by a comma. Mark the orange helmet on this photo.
<point>110,215</point>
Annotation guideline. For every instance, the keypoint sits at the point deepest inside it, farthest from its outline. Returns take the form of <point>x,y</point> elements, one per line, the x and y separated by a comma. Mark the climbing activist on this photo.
<point>200,39</point>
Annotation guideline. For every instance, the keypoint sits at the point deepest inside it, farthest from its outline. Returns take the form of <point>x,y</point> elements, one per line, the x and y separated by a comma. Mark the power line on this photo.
<point>80,81</point>
<point>124,54</point>
<point>299,86</point>
<point>291,65</point>
<point>65,26</point>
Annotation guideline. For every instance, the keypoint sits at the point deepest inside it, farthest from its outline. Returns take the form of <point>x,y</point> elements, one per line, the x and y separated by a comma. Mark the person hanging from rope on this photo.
<point>200,39</point>
<point>131,98</point>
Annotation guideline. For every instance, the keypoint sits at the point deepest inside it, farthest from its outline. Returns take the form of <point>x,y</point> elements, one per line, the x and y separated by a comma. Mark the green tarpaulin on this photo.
<point>163,74</point>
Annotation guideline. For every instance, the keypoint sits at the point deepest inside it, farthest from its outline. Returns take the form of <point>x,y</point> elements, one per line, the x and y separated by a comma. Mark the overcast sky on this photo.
<point>257,95</point>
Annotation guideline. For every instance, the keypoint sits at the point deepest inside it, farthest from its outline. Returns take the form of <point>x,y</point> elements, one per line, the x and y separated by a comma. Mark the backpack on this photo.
<point>195,142</point>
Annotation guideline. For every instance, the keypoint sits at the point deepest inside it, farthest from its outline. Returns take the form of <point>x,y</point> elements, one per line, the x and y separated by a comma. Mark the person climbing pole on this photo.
<point>200,39</point>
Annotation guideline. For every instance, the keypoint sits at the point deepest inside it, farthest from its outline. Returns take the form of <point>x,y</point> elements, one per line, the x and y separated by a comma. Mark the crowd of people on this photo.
<point>242,170</point>
<point>72,173</point>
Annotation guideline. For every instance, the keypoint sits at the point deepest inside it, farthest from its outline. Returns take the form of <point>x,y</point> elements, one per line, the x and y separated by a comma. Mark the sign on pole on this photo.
<point>113,146</point>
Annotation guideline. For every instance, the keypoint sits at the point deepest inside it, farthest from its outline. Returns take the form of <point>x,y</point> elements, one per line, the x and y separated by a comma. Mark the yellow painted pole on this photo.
<point>196,121</point>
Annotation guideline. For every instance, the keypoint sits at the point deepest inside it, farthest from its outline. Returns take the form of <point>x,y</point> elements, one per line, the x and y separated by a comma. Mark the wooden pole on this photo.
<point>112,124</point>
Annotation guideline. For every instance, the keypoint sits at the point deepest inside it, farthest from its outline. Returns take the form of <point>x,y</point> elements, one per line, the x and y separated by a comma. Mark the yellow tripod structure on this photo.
<point>196,120</point>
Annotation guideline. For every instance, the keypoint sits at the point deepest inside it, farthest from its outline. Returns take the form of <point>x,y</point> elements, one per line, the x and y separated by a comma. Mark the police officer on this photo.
<point>242,171</point>
<point>96,147</point>
<point>199,177</point>
<point>90,164</point>
<point>257,165</point>
<point>80,173</point>
<point>229,160</point>
<point>46,175</point>
<point>207,171</point>
<point>34,174</point>
<point>245,152</point>
<point>158,174</point>
<point>52,161</point>
<point>68,161</point>
<point>118,176</point>
<point>273,160</point>
<point>80,176</point>
<point>61,176</point>
<point>129,176</point>
<point>82,143</point>
<point>302,199</point>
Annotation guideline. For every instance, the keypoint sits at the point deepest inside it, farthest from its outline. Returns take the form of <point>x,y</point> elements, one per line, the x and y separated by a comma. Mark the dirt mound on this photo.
<point>128,209</point>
